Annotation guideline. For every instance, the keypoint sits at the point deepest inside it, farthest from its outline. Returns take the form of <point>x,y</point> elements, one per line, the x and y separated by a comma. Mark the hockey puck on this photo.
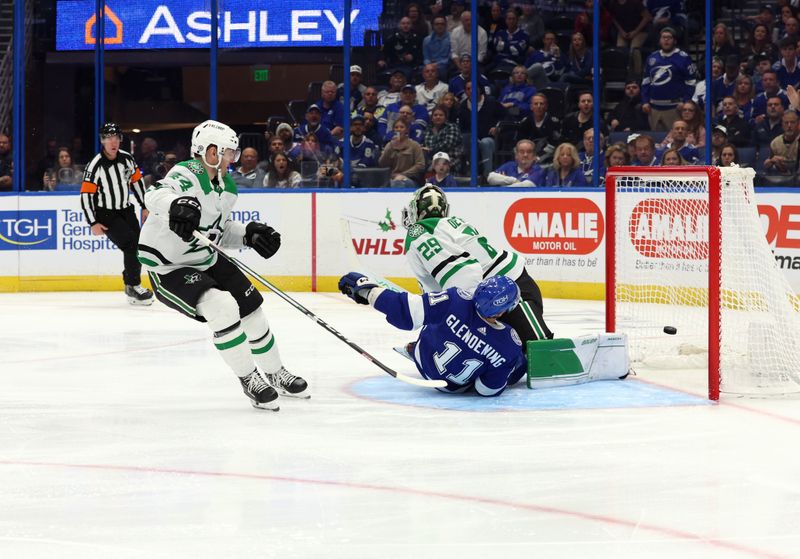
<point>671,330</point>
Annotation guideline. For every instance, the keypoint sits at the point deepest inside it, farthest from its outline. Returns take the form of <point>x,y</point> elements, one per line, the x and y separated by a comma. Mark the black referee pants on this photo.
<point>123,230</point>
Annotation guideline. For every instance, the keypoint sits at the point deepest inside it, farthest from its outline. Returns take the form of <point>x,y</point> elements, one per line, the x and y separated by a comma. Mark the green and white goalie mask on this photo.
<point>428,201</point>
<point>213,133</point>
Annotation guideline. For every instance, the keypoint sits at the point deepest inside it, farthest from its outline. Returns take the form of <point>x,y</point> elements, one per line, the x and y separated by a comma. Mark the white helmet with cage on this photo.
<point>215,133</point>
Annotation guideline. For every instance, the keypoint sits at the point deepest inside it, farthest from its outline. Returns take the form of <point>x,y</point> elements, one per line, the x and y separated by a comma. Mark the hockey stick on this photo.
<point>245,268</point>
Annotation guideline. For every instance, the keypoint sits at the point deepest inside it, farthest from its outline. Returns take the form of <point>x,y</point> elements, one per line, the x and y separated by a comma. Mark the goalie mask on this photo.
<point>217,134</point>
<point>428,201</point>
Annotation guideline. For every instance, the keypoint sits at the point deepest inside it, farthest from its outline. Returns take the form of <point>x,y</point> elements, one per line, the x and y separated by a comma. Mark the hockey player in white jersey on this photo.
<point>189,277</point>
<point>445,251</point>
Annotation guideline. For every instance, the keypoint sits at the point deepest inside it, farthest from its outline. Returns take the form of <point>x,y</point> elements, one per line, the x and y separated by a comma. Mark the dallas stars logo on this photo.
<point>195,167</point>
<point>415,230</point>
<point>212,231</point>
<point>194,277</point>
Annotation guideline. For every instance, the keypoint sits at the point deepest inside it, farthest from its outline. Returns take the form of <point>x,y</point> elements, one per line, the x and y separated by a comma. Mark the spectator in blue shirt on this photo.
<point>408,98</point>
<point>566,169</point>
<point>363,152</point>
<point>441,171</point>
<point>669,80</point>
<point>356,88</point>
<point>314,124</point>
<point>510,44</point>
<point>787,68</point>
<point>645,149</point>
<point>679,132</point>
<point>516,96</point>
<point>523,171</point>
<point>332,109</point>
<point>458,83</point>
<point>578,62</point>
<point>436,47</point>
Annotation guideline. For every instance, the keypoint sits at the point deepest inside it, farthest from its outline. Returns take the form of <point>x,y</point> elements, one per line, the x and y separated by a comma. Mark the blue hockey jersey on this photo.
<point>363,155</point>
<point>668,79</point>
<point>455,343</point>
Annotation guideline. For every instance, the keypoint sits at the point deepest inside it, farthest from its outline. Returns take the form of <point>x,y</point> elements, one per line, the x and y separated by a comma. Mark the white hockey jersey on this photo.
<point>449,252</point>
<point>161,250</point>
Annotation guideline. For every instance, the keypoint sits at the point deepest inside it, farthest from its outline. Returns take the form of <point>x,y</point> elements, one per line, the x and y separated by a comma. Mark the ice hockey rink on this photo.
<point>123,434</point>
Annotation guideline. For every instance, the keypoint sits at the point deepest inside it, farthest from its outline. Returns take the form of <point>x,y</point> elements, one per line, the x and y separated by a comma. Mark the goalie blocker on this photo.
<point>568,361</point>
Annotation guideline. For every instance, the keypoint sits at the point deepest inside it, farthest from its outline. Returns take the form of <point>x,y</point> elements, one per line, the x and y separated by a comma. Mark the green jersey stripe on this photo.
<point>454,269</point>
<point>510,266</point>
<point>171,296</point>
<point>532,319</point>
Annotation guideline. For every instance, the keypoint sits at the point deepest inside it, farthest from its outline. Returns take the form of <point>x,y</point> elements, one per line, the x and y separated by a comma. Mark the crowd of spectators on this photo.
<point>413,122</point>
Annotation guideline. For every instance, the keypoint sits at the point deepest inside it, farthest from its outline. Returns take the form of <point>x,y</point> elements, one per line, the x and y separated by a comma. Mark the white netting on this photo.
<point>661,262</point>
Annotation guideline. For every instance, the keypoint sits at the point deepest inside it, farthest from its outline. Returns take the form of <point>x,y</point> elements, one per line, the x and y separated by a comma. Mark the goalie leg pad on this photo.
<point>568,361</point>
<point>221,312</point>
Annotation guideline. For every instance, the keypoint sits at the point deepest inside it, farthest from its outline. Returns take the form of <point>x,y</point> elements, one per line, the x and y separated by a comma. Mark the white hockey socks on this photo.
<point>220,310</point>
<point>262,341</point>
<point>568,361</point>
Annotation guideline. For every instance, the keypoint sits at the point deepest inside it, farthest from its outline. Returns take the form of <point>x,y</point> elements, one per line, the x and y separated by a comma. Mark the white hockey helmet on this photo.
<point>215,133</point>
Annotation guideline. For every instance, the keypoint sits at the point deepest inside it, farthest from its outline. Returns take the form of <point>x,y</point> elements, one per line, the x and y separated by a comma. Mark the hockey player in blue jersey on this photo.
<point>461,340</point>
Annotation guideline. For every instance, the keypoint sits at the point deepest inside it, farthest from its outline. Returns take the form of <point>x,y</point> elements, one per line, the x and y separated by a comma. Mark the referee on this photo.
<point>106,205</point>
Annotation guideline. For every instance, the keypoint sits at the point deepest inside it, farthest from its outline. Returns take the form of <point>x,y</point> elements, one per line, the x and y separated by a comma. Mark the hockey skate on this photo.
<point>261,394</point>
<point>138,295</point>
<point>288,384</point>
<point>407,350</point>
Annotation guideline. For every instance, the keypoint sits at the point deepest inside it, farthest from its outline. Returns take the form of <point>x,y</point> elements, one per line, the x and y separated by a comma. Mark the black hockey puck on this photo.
<point>671,330</point>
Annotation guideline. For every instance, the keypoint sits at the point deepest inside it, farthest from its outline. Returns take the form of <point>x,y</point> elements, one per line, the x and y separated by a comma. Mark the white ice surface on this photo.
<point>122,434</point>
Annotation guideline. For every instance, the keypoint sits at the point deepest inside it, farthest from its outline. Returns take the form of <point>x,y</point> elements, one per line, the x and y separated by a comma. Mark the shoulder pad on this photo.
<point>464,294</point>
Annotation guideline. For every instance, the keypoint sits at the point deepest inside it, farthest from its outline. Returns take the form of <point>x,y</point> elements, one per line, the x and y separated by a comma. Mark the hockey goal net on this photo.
<point>686,249</point>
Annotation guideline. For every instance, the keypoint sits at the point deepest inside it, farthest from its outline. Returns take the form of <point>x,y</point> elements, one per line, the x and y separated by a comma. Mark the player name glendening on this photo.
<point>473,342</point>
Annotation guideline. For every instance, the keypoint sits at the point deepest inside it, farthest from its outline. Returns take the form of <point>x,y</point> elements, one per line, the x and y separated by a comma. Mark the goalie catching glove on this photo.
<point>357,287</point>
<point>184,216</point>
<point>262,238</point>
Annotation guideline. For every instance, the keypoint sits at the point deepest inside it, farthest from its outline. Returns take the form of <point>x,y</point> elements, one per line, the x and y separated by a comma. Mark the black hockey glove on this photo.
<point>184,216</point>
<point>262,238</point>
<point>357,287</point>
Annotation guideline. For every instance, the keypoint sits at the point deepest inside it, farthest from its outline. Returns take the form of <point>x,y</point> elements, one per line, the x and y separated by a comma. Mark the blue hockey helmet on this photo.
<point>496,295</point>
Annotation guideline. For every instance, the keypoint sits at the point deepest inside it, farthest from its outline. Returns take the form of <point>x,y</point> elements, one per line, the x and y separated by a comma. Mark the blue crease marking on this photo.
<point>593,395</point>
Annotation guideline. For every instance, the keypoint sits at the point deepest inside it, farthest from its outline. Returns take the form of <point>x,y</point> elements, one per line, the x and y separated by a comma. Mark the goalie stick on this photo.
<point>246,269</point>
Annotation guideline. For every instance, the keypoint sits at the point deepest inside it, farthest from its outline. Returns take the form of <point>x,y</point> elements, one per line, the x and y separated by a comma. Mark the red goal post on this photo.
<point>685,248</point>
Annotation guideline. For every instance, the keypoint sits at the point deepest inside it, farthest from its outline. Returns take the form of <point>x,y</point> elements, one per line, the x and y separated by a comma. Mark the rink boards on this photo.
<point>45,244</point>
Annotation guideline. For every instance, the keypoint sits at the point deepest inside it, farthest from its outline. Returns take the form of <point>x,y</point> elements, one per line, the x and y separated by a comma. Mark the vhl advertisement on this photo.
<point>153,24</point>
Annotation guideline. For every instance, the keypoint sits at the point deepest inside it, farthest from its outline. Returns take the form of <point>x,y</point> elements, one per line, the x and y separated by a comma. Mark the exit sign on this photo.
<point>261,75</point>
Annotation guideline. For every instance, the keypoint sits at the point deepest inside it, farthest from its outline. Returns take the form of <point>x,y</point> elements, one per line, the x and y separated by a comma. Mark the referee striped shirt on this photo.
<point>107,183</point>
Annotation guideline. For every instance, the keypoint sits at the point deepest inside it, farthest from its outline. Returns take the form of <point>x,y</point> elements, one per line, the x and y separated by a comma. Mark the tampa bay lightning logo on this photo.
<point>661,75</point>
